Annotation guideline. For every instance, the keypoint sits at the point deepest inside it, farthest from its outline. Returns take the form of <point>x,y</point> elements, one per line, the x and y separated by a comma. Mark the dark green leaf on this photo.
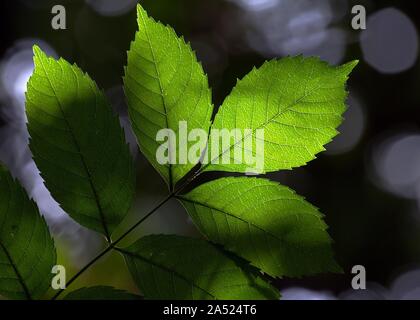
<point>27,252</point>
<point>174,267</point>
<point>100,293</point>
<point>78,144</point>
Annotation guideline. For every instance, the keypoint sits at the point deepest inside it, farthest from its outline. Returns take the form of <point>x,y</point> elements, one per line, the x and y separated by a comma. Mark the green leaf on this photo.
<point>27,252</point>
<point>263,222</point>
<point>174,267</point>
<point>78,144</point>
<point>165,85</point>
<point>101,293</point>
<point>298,102</point>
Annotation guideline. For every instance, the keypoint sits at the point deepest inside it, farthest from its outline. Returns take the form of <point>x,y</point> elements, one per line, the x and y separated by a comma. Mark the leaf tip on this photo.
<point>38,53</point>
<point>36,49</point>
<point>141,13</point>
<point>348,67</point>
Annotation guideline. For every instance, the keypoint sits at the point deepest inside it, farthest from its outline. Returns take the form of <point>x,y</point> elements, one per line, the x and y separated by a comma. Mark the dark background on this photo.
<point>367,184</point>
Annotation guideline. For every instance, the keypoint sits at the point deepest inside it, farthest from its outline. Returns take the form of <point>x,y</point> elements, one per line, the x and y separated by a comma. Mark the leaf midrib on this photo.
<point>230,215</point>
<point>278,114</point>
<point>160,88</point>
<point>251,223</point>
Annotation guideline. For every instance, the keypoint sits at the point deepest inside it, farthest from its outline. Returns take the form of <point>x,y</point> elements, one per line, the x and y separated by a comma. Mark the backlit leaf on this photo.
<point>174,267</point>
<point>298,104</point>
<point>263,222</point>
<point>165,85</point>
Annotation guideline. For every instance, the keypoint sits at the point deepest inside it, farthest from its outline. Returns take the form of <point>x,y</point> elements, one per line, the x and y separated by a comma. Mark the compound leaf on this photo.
<point>165,86</point>
<point>174,267</point>
<point>78,144</point>
<point>263,222</point>
<point>296,102</point>
<point>27,252</point>
<point>100,293</point>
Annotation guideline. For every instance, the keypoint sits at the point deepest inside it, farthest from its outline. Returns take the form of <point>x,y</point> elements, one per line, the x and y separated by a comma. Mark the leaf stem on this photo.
<point>112,245</point>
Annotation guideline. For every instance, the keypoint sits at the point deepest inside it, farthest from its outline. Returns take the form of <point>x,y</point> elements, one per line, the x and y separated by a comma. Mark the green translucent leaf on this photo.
<point>78,144</point>
<point>27,252</point>
<point>174,267</point>
<point>100,293</point>
<point>165,85</point>
<point>297,101</point>
<point>263,222</point>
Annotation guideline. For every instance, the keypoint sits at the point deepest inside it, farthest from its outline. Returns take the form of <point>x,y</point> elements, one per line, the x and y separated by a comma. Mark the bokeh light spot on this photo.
<point>390,42</point>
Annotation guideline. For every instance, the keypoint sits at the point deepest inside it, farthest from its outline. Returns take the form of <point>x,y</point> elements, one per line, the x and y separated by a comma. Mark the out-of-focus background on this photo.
<point>367,183</point>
